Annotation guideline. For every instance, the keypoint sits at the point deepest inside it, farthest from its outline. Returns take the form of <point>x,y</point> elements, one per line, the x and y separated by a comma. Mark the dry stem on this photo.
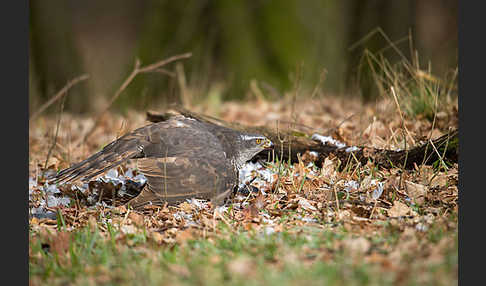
<point>155,67</point>
<point>59,95</point>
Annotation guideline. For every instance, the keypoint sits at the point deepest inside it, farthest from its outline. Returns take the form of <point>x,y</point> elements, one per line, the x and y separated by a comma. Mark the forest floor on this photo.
<point>307,224</point>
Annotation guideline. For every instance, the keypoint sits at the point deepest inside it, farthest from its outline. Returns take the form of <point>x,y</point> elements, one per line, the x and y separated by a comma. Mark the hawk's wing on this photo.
<point>179,157</point>
<point>174,137</point>
<point>119,151</point>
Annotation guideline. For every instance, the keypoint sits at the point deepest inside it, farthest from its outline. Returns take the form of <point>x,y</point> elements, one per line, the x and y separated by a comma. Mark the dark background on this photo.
<point>232,42</point>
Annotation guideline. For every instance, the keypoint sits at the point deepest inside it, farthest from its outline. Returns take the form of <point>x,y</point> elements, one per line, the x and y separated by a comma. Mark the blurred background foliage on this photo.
<point>233,44</point>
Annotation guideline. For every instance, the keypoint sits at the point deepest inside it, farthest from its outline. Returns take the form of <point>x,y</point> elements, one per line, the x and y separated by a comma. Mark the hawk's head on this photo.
<point>250,145</point>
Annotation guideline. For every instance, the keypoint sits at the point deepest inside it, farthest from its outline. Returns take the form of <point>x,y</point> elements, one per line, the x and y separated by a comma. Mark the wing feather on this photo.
<point>180,157</point>
<point>175,179</point>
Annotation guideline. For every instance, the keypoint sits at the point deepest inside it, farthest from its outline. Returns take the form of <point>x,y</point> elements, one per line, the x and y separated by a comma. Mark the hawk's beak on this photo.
<point>268,144</point>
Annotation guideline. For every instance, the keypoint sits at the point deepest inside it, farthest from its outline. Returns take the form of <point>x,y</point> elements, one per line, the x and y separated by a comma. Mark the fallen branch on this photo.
<point>59,94</point>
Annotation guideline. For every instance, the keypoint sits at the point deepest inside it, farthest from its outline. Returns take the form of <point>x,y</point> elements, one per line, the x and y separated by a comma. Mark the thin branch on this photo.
<point>57,132</point>
<point>166,72</point>
<point>438,154</point>
<point>159,64</point>
<point>401,116</point>
<point>155,67</point>
<point>59,95</point>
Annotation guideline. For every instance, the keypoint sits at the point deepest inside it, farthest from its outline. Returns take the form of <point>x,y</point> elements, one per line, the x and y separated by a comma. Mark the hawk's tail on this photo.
<point>112,155</point>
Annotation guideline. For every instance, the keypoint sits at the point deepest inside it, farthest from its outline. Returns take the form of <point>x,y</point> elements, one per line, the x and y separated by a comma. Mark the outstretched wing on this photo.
<point>179,157</point>
<point>126,147</point>
<point>168,138</point>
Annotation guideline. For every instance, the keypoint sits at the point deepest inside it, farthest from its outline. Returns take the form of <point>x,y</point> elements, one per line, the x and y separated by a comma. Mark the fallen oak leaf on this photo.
<point>157,237</point>
<point>184,235</point>
<point>250,212</point>
<point>306,205</point>
<point>416,192</point>
<point>438,181</point>
<point>398,209</point>
<point>136,218</point>
<point>259,201</point>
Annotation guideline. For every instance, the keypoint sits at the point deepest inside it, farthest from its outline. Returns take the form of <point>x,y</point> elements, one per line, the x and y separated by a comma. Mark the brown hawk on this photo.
<point>180,157</point>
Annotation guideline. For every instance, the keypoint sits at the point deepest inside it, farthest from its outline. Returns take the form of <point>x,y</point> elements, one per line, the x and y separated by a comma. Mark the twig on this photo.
<point>432,128</point>
<point>401,115</point>
<point>299,75</point>
<point>218,214</point>
<point>438,155</point>
<point>330,130</point>
<point>336,195</point>
<point>181,80</point>
<point>155,67</point>
<point>59,95</point>
<point>322,77</point>
<point>319,130</point>
<point>281,140</point>
<point>373,209</point>
<point>380,31</point>
<point>55,136</point>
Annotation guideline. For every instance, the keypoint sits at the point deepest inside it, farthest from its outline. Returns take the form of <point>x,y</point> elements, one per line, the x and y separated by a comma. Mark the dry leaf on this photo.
<point>306,205</point>
<point>439,181</point>
<point>259,201</point>
<point>436,133</point>
<point>345,214</point>
<point>183,235</point>
<point>416,192</point>
<point>186,207</point>
<point>128,229</point>
<point>376,129</point>
<point>278,228</point>
<point>329,169</point>
<point>119,209</point>
<point>250,212</point>
<point>358,245</point>
<point>136,218</point>
<point>157,237</point>
<point>60,243</point>
<point>398,209</point>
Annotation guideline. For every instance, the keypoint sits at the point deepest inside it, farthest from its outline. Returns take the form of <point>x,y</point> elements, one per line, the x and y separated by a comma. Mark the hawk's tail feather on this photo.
<point>111,156</point>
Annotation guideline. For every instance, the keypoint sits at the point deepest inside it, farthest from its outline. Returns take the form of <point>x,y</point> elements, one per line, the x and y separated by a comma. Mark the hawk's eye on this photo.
<point>258,141</point>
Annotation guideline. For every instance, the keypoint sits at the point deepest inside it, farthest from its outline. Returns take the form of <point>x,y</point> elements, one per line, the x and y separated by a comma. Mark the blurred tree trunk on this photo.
<point>366,16</point>
<point>53,58</point>
<point>237,41</point>
<point>433,25</point>
<point>232,42</point>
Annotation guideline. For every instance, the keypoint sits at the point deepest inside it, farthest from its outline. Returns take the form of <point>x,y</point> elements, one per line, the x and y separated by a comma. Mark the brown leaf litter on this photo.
<point>360,198</point>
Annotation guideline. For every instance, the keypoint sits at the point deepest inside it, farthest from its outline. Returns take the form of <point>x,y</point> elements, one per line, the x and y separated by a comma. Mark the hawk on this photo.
<point>181,158</point>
